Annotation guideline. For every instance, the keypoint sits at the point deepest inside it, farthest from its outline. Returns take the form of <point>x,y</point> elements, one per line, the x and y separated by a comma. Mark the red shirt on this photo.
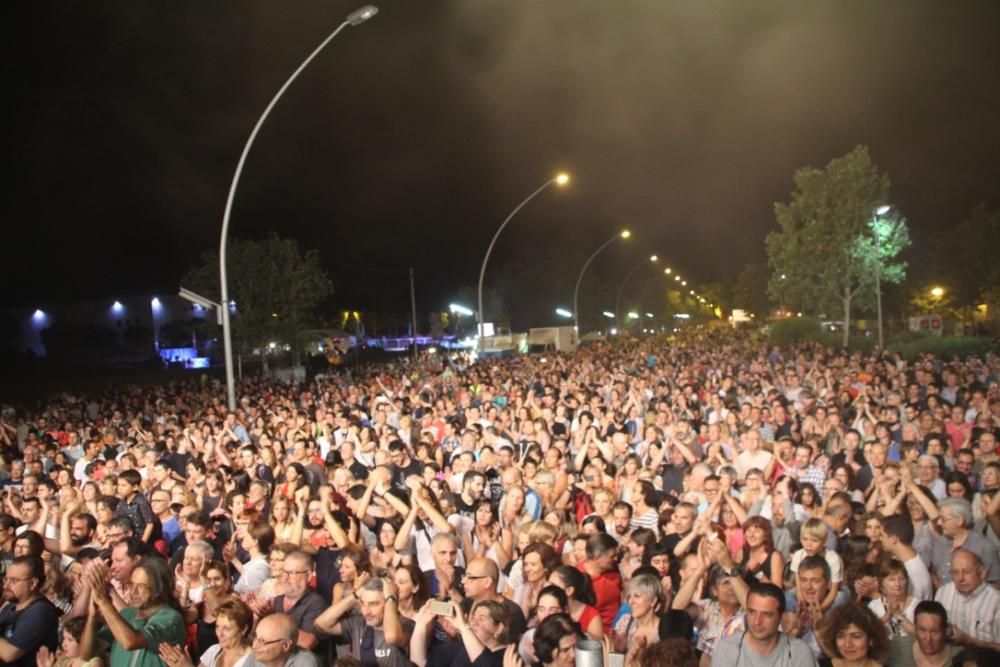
<point>608,590</point>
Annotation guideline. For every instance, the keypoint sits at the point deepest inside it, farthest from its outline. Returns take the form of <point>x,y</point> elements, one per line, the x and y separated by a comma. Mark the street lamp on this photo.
<point>357,17</point>
<point>937,292</point>
<point>560,180</point>
<point>562,312</point>
<point>879,212</point>
<point>624,234</point>
<point>618,299</point>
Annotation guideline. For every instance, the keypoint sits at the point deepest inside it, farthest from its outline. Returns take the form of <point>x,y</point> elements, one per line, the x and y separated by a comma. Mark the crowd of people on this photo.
<point>703,499</point>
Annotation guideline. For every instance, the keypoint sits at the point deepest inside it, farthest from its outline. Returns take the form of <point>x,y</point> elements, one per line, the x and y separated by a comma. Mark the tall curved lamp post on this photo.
<point>621,288</point>
<point>560,180</point>
<point>879,212</point>
<point>624,234</point>
<point>357,17</point>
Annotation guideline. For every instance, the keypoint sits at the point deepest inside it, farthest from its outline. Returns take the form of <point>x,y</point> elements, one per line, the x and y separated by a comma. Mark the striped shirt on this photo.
<point>977,615</point>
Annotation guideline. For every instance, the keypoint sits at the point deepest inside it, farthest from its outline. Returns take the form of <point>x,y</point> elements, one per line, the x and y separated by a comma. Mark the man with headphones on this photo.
<point>763,644</point>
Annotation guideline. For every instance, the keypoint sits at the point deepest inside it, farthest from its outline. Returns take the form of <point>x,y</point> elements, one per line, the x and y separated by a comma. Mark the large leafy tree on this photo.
<point>275,285</point>
<point>824,254</point>
<point>963,258</point>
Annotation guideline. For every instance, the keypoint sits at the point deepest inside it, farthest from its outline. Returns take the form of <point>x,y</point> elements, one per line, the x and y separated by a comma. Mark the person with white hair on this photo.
<point>929,475</point>
<point>955,516</point>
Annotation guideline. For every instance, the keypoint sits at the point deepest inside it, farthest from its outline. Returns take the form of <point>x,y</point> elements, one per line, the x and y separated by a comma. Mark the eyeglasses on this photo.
<point>266,642</point>
<point>289,573</point>
<point>17,580</point>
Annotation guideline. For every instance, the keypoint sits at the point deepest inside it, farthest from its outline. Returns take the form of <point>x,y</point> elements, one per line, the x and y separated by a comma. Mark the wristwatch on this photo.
<point>391,598</point>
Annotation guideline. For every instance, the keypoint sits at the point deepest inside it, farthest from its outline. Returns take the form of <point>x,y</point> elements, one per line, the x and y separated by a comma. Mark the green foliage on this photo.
<point>942,347</point>
<point>796,330</point>
<point>751,288</point>
<point>825,247</point>
<point>963,258</point>
<point>276,288</point>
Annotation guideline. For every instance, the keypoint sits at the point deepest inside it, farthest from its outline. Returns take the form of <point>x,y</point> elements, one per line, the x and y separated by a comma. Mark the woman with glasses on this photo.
<point>232,628</point>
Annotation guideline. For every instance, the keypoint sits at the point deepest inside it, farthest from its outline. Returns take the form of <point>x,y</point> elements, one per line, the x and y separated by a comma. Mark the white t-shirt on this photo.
<point>920,586</point>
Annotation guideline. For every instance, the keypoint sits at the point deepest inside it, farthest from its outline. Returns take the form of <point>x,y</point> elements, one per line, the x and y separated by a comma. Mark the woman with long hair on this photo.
<point>283,513</point>
<point>106,507</point>
<point>485,538</point>
<point>580,593</point>
<point>761,561</point>
<point>91,497</point>
<point>353,562</point>
<point>412,589</point>
<point>385,556</point>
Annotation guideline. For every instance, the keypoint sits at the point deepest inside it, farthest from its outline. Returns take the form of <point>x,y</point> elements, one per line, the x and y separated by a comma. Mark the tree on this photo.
<point>276,288</point>
<point>963,257</point>
<point>824,254</point>
<point>751,289</point>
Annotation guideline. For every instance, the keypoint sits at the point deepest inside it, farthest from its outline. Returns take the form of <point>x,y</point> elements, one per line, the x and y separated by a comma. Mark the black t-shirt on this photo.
<point>400,473</point>
<point>453,654</point>
<point>34,626</point>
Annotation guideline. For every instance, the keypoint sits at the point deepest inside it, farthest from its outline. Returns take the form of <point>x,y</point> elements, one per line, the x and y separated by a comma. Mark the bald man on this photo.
<point>973,605</point>
<point>274,644</point>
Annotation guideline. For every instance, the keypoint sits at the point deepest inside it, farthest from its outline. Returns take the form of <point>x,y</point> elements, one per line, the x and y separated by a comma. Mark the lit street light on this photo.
<point>608,314</point>
<point>937,292</point>
<point>624,234</point>
<point>618,299</point>
<point>357,17</point>
<point>562,312</point>
<point>460,310</point>
<point>560,180</point>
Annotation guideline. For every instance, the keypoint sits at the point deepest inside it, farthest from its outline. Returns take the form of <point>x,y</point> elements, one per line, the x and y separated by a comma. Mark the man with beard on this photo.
<point>76,532</point>
<point>28,620</point>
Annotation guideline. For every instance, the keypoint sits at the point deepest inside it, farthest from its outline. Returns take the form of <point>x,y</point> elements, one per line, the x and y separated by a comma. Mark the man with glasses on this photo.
<point>480,584</point>
<point>28,620</point>
<point>159,501</point>
<point>299,601</point>
<point>274,644</point>
<point>955,519</point>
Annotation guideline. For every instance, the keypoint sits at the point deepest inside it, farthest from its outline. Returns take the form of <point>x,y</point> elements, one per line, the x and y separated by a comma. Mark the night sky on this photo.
<point>411,137</point>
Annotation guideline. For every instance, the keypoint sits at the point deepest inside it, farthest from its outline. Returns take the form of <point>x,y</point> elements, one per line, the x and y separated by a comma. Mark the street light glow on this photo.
<point>937,292</point>
<point>649,315</point>
<point>653,258</point>
<point>562,312</point>
<point>608,315</point>
<point>677,277</point>
<point>460,310</point>
<point>626,233</point>
<point>633,315</point>
<point>667,270</point>
<point>562,178</point>
<point>684,283</point>
<point>882,210</point>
